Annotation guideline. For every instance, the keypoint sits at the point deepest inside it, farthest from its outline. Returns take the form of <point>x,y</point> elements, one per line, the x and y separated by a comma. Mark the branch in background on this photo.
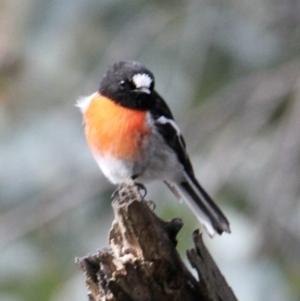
<point>142,262</point>
<point>245,107</point>
<point>48,206</point>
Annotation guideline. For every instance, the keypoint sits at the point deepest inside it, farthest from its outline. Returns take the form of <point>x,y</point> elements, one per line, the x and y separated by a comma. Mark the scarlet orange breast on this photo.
<point>114,130</point>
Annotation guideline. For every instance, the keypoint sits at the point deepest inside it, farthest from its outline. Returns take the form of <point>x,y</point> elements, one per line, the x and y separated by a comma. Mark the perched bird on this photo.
<point>132,134</point>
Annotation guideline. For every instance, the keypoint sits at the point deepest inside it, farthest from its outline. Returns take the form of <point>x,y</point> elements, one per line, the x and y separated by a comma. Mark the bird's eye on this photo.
<point>127,84</point>
<point>122,83</point>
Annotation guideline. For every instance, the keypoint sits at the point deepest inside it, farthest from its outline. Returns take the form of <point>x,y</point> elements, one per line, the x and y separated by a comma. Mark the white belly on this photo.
<point>157,162</point>
<point>115,170</point>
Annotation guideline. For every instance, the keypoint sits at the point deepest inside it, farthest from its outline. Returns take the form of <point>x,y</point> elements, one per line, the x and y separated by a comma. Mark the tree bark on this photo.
<point>142,262</point>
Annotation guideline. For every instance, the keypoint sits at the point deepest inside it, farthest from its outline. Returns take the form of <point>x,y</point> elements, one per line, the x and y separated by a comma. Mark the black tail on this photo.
<point>206,210</point>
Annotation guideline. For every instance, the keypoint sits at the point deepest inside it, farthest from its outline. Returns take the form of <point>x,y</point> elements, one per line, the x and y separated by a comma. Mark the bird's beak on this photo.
<point>143,90</point>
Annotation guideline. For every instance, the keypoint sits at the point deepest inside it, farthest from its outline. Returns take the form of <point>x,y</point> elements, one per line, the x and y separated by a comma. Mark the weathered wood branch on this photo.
<point>142,262</point>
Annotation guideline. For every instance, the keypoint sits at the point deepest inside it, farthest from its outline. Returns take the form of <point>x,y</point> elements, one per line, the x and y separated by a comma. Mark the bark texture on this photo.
<point>142,262</point>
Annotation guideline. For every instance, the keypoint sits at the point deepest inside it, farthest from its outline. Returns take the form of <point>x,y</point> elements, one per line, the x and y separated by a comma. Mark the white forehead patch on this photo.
<point>142,80</point>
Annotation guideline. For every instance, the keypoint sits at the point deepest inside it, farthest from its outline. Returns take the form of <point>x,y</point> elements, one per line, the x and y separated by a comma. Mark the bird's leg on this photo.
<point>149,203</point>
<point>139,186</point>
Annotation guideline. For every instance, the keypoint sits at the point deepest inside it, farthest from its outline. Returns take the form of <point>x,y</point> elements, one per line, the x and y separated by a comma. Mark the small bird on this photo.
<point>132,134</point>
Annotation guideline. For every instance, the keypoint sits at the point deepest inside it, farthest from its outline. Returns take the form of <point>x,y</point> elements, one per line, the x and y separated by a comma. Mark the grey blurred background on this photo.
<point>230,71</point>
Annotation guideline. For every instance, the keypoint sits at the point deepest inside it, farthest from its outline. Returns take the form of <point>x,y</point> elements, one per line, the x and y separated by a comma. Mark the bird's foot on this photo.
<point>141,188</point>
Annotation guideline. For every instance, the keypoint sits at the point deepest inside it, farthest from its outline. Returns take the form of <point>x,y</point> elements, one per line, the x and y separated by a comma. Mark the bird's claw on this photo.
<point>142,188</point>
<point>115,193</point>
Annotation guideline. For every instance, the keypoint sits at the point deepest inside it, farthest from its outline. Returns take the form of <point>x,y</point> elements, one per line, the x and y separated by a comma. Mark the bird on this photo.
<point>132,134</point>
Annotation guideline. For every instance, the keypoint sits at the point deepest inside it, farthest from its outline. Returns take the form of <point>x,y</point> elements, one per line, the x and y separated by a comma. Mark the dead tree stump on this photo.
<point>142,262</point>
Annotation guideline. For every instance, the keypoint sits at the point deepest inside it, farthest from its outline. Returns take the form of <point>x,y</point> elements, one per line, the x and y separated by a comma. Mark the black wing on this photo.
<point>167,127</point>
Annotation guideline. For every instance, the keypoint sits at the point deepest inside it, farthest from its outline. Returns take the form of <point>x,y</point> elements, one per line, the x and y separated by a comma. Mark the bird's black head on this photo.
<point>129,84</point>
